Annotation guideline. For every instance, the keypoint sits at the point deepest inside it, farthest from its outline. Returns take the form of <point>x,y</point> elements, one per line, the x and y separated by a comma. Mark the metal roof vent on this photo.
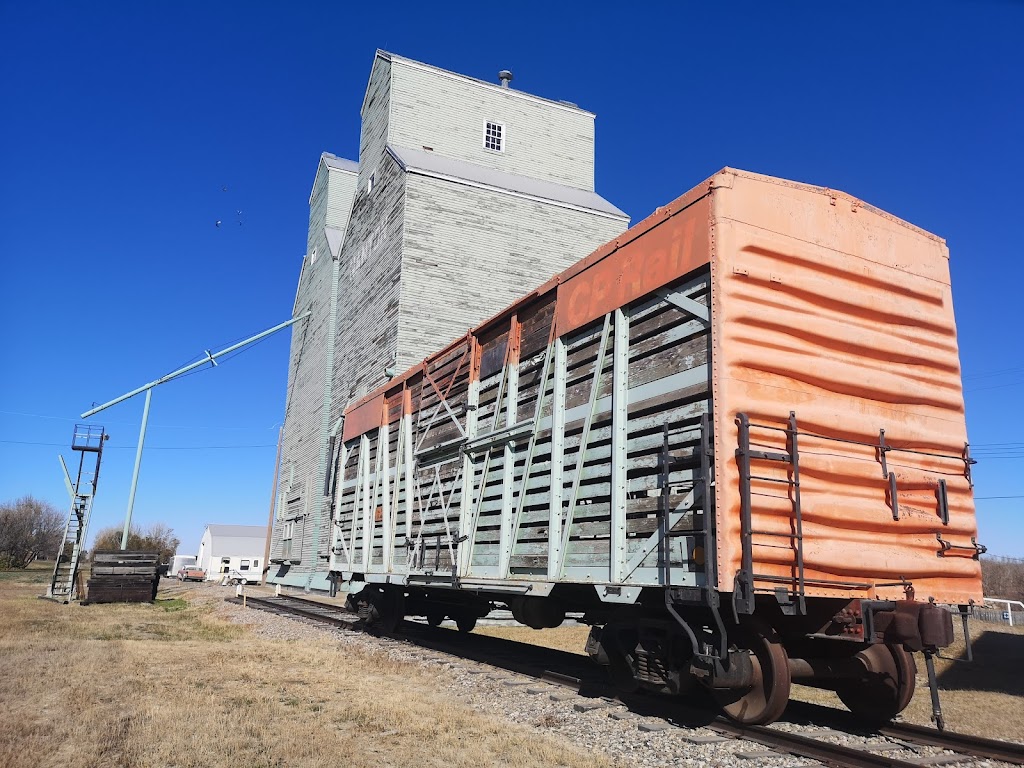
<point>505,76</point>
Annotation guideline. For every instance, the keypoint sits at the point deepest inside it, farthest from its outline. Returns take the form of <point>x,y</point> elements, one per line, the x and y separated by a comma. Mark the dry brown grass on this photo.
<point>173,685</point>
<point>571,638</point>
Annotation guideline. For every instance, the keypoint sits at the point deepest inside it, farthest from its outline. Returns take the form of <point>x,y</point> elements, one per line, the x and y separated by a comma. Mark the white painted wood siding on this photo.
<point>341,192</point>
<point>470,252</point>
<point>446,112</point>
<point>300,479</point>
<point>373,136</point>
<point>371,275</point>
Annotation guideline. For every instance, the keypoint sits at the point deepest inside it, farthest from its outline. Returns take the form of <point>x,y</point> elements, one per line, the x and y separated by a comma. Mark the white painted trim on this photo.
<point>522,195</point>
<point>620,438</point>
<point>502,137</point>
<point>557,459</point>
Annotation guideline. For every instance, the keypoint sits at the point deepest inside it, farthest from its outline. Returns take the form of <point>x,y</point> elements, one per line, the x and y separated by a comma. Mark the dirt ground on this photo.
<point>170,684</point>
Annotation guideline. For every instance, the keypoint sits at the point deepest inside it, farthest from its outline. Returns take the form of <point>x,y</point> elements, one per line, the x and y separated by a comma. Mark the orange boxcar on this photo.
<point>734,438</point>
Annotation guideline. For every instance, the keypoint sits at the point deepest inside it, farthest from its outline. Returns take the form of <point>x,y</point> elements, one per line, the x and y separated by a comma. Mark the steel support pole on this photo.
<point>135,472</point>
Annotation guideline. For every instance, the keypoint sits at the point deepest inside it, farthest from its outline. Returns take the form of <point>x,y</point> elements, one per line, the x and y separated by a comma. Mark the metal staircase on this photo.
<point>86,439</point>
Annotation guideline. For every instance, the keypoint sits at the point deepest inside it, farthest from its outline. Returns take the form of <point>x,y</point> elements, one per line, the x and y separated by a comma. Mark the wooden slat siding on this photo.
<point>665,342</point>
<point>330,204</point>
<point>125,556</point>
<point>122,577</point>
<point>473,251</point>
<point>376,111</point>
<point>368,301</point>
<point>371,269</point>
<point>448,114</point>
<point>341,191</point>
<point>300,442</point>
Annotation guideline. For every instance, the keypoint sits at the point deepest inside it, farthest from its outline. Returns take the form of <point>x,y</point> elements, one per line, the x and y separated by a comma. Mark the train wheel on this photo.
<point>765,699</point>
<point>466,622</point>
<point>435,617</point>
<point>387,609</point>
<point>888,687</point>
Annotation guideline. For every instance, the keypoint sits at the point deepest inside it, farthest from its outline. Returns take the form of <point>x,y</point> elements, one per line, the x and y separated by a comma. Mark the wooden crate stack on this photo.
<point>123,577</point>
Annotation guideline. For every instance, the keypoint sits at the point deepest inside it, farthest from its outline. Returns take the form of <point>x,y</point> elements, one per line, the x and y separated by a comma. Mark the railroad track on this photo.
<point>578,674</point>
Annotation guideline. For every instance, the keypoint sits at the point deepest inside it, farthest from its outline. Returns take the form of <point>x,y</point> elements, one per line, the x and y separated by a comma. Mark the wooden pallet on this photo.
<point>123,577</point>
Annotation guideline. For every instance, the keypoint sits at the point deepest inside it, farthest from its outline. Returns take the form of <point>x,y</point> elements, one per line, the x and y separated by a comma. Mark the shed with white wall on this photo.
<point>226,548</point>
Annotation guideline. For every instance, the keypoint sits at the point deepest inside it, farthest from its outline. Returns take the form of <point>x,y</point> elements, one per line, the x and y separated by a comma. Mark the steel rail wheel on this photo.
<point>888,685</point>
<point>387,609</point>
<point>465,621</point>
<point>766,698</point>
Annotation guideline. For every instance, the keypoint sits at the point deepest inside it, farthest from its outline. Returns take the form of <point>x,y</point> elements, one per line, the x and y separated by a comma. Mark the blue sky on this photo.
<point>128,129</point>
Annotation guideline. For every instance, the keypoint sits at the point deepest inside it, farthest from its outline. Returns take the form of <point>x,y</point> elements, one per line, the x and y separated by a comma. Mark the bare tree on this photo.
<point>1003,577</point>
<point>155,538</point>
<point>29,528</point>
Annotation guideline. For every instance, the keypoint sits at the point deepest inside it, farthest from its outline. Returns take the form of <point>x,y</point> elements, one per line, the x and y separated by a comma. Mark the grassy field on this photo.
<point>985,697</point>
<point>170,684</point>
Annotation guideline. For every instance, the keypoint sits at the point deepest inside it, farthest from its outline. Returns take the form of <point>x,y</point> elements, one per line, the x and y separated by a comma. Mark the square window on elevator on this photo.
<point>494,136</point>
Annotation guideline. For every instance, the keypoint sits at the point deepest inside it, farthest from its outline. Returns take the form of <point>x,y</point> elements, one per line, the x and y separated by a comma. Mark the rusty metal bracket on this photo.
<point>894,503</point>
<point>943,499</point>
<point>976,549</point>
<point>880,452</point>
<point>968,463</point>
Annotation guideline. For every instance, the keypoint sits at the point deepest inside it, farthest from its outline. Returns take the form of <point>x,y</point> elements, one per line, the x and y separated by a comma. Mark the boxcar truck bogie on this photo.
<point>733,439</point>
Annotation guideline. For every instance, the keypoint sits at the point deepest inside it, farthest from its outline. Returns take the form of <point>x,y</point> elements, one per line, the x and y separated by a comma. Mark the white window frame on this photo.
<point>371,182</point>
<point>502,137</point>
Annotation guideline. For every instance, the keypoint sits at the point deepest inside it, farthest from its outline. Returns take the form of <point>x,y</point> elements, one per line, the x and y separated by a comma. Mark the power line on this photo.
<point>999,497</point>
<point>990,374</point>
<point>125,423</point>
<point>995,386</point>
<point>151,447</point>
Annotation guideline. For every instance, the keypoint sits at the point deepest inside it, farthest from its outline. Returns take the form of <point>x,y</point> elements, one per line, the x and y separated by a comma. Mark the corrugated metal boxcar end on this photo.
<point>733,438</point>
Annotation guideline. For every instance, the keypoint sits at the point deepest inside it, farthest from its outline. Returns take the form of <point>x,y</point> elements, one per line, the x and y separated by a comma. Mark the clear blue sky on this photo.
<point>128,129</point>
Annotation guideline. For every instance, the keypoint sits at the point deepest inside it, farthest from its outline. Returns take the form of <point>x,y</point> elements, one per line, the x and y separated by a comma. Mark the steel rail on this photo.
<point>993,749</point>
<point>803,746</point>
<point>285,605</point>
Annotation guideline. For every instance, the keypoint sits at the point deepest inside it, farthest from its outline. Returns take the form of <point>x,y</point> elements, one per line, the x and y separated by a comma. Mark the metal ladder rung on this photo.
<point>780,535</point>
<point>771,456</point>
<point>774,480</point>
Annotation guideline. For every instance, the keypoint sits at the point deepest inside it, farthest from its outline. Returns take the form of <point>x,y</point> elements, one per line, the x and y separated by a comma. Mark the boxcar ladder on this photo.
<point>86,439</point>
<point>791,601</point>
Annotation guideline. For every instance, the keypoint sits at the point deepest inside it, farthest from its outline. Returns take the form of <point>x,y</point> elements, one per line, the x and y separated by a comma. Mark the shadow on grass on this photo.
<point>998,658</point>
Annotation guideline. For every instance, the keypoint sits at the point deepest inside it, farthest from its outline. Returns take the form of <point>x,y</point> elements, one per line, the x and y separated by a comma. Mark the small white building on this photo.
<point>232,548</point>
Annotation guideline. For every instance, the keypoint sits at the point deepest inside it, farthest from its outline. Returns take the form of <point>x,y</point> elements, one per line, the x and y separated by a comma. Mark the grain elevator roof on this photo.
<point>439,166</point>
